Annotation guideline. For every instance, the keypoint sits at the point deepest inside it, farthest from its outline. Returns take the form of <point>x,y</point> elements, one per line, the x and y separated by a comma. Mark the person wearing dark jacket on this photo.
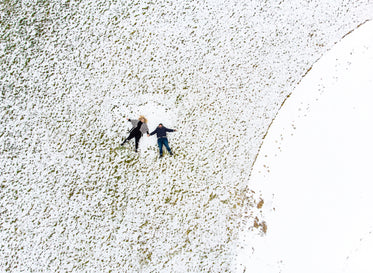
<point>139,127</point>
<point>161,132</point>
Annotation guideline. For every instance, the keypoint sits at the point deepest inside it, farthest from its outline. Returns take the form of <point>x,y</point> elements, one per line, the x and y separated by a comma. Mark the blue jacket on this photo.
<point>161,131</point>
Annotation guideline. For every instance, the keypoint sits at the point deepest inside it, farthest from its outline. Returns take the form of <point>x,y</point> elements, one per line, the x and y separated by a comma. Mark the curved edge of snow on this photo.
<point>313,169</point>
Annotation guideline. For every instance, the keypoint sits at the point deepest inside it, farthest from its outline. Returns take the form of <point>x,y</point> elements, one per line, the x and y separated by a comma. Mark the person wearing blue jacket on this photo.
<point>161,132</point>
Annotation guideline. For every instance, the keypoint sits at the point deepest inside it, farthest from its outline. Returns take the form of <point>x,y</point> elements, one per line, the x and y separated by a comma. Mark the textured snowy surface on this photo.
<point>217,71</point>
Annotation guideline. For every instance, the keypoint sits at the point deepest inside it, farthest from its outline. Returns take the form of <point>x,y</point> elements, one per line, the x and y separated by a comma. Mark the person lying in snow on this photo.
<point>139,128</point>
<point>161,132</point>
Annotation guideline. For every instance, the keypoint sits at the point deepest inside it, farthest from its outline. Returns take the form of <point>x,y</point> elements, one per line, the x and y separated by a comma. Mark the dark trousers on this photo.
<point>163,141</point>
<point>134,134</point>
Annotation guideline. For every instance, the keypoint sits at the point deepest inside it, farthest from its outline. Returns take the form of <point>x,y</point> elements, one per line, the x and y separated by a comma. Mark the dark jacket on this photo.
<point>161,131</point>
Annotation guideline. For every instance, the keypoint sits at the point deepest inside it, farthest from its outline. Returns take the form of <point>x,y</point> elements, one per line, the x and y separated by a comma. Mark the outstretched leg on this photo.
<point>160,144</point>
<point>124,141</point>
<point>165,142</point>
<point>131,136</point>
<point>137,139</point>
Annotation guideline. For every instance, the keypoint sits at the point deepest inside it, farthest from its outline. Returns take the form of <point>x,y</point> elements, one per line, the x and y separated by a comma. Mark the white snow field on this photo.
<point>314,169</point>
<point>72,199</point>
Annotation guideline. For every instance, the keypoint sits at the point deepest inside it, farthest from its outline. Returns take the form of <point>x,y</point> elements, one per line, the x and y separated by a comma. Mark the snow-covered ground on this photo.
<point>218,71</point>
<point>314,169</point>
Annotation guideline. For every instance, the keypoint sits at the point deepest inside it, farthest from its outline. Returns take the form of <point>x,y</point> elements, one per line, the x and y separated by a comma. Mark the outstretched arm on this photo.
<point>152,133</point>
<point>133,121</point>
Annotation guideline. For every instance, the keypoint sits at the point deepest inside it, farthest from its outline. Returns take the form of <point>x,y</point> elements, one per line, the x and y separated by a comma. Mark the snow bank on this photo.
<point>314,169</point>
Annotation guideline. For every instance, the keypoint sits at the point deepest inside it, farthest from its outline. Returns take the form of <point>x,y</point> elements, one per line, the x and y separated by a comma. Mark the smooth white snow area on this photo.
<point>315,170</point>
